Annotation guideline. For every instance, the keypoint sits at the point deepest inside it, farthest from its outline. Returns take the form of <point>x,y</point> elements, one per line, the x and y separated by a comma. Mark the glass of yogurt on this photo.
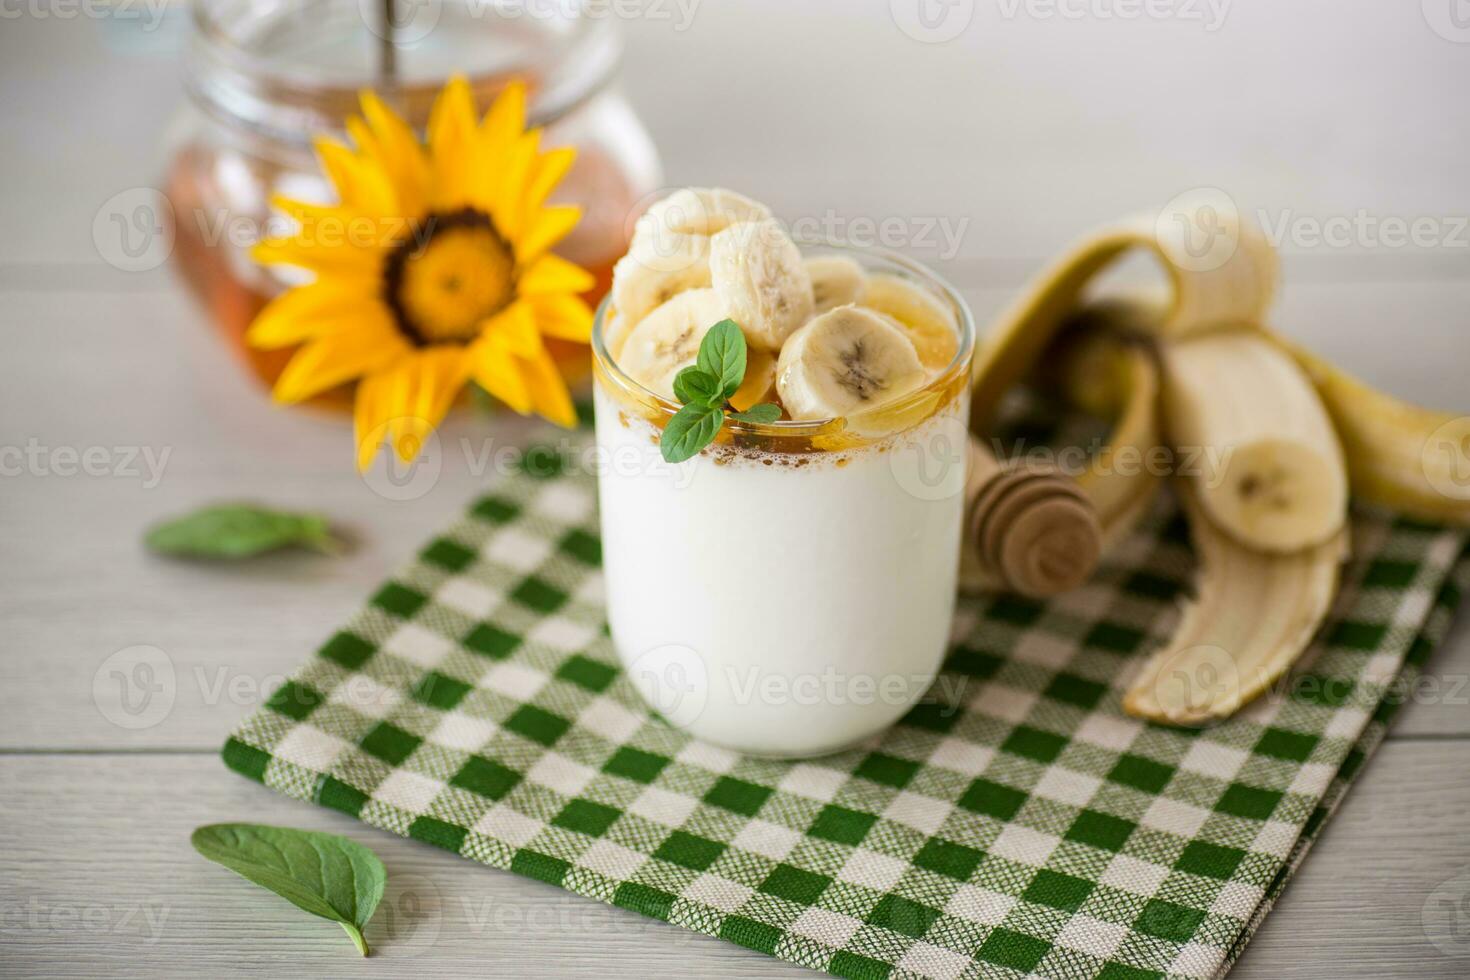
<point>789,591</point>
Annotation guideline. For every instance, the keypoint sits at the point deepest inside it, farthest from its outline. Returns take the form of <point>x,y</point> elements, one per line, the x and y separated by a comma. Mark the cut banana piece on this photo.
<point>758,273</point>
<point>846,361</point>
<point>699,211</point>
<point>1399,456</point>
<point>667,341</point>
<point>836,281</point>
<point>760,381</point>
<point>930,323</point>
<point>1248,423</point>
<point>1252,616</point>
<point>655,270</point>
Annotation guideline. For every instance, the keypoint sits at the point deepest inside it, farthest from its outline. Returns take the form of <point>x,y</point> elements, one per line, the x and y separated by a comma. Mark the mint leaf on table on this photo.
<point>326,875</point>
<point>722,356</point>
<point>239,531</point>
<point>758,414</point>
<point>691,429</point>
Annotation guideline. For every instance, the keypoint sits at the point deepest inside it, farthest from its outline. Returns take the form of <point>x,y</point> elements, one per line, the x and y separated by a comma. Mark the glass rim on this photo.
<point>605,364</point>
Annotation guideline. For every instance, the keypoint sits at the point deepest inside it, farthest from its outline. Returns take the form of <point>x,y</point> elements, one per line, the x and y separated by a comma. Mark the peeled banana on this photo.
<point>836,281</point>
<point>667,341</point>
<point>1250,619</point>
<point>1259,447</point>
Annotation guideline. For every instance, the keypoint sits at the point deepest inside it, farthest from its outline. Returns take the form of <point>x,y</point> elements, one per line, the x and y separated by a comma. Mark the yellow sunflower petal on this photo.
<point>401,155</point>
<point>554,274</point>
<point>309,311</point>
<point>436,378</point>
<point>340,357</point>
<point>508,185</point>
<point>494,368</point>
<point>515,327</point>
<point>370,415</point>
<point>549,393</point>
<point>504,123</point>
<point>331,226</point>
<point>549,226</point>
<point>360,185</point>
<point>324,259</point>
<point>451,144</point>
<point>564,316</point>
<point>548,171</point>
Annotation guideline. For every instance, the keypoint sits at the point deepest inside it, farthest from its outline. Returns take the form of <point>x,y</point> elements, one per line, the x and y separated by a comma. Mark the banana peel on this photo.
<point>1254,612</point>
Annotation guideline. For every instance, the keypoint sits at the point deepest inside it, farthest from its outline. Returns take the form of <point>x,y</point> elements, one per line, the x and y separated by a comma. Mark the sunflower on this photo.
<point>433,269</point>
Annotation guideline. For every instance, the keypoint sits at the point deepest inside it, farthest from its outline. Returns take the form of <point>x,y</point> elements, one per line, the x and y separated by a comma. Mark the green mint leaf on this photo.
<point>326,875</point>
<point>695,387</point>
<point>722,354</point>
<point>238,531</point>
<point>691,429</point>
<point>758,414</point>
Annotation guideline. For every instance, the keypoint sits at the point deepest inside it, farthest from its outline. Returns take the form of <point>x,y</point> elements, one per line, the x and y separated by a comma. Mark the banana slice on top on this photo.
<point>846,361</point>
<point>930,323</point>
<point>836,281</point>
<point>656,269</point>
<point>758,273</point>
<point>667,341</point>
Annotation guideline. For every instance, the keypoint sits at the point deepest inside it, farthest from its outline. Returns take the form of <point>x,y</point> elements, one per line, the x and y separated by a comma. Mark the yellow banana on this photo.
<point>1250,619</point>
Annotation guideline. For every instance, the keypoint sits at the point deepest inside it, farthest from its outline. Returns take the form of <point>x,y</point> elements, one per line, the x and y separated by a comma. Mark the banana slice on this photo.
<point>836,281</point>
<point>667,341</point>
<point>1252,616</point>
<point>758,273</point>
<point>656,269</point>
<point>699,211</point>
<point>1267,462</point>
<point>760,381</point>
<point>928,319</point>
<point>846,361</point>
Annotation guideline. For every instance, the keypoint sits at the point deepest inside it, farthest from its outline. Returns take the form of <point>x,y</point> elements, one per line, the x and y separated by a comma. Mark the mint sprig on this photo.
<point>705,389</point>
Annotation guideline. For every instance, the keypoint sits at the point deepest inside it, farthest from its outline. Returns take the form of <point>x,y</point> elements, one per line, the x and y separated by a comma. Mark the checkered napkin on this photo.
<point>1018,824</point>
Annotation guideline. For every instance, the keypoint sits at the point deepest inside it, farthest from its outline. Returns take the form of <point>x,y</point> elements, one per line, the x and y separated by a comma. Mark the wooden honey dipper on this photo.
<point>1028,528</point>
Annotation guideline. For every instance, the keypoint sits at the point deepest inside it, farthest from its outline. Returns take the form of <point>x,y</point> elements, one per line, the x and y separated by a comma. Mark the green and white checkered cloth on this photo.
<point>476,704</point>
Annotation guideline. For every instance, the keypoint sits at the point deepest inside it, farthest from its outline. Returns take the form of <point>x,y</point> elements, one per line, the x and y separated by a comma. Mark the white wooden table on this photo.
<point>1031,127</point>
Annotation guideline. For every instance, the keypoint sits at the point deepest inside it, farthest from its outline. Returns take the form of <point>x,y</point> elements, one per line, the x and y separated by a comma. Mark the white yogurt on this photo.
<point>774,606</point>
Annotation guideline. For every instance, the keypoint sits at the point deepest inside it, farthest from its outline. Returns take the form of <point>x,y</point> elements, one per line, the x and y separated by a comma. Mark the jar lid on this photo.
<point>290,69</point>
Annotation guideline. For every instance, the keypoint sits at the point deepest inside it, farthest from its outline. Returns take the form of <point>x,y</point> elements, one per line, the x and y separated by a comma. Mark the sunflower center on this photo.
<point>448,277</point>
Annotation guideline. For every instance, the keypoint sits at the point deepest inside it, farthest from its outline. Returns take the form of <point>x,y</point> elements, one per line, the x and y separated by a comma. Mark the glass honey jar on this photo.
<point>266,77</point>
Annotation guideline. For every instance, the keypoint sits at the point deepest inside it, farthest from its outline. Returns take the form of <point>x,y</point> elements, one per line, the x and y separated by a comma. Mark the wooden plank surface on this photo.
<point>100,879</point>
